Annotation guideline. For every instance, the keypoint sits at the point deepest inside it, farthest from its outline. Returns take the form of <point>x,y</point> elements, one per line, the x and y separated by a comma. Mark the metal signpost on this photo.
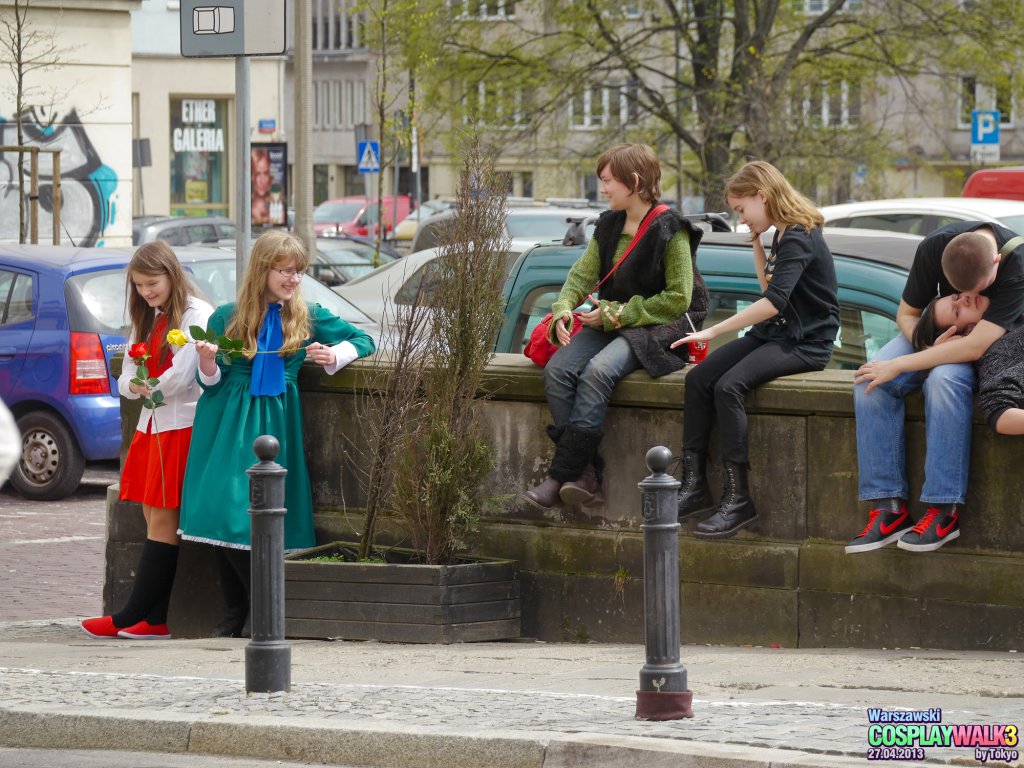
<point>238,28</point>
<point>985,136</point>
<point>242,28</point>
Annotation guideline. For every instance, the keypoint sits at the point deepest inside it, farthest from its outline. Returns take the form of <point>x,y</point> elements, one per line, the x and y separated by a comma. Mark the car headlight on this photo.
<point>330,231</point>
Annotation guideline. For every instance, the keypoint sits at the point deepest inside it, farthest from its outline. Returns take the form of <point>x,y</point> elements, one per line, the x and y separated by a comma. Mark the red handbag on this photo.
<point>539,349</point>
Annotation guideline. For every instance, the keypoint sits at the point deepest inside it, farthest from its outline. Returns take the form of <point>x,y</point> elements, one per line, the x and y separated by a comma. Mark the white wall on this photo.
<point>83,107</point>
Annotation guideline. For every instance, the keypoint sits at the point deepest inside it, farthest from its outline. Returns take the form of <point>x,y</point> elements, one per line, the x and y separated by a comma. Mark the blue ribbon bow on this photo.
<point>268,369</point>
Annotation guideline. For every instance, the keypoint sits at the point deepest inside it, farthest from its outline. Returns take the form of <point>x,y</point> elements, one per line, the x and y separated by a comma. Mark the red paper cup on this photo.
<point>698,351</point>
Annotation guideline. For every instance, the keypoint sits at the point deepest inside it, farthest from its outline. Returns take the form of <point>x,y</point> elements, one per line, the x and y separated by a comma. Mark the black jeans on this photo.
<point>719,385</point>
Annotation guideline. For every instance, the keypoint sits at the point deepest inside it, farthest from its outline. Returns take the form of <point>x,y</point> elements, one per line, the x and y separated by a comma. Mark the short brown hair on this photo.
<point>967,260</point>
<point>625,160</point>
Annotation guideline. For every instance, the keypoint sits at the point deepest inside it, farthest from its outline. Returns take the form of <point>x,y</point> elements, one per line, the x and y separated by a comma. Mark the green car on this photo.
<point>871,268</point>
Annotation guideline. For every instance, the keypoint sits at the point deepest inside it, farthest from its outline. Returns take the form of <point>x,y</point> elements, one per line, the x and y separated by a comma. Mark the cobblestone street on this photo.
<point>51,552</point>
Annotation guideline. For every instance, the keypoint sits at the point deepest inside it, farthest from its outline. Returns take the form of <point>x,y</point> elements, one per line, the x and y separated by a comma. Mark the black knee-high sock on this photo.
<point>235,578</point>
<point>153,579</point>
<point>158,613</point>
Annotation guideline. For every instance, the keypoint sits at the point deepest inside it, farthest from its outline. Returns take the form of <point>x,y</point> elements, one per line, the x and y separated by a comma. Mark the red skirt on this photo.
<point>141,478</point>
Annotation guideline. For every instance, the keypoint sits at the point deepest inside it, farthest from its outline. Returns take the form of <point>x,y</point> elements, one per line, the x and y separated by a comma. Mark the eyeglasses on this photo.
<point>289,274</point>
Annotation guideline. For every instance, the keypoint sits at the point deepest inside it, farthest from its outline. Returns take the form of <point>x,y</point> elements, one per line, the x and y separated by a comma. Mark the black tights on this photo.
<point>719,385</point>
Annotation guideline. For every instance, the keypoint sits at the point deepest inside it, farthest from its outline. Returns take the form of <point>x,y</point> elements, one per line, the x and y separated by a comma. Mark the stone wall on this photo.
<point>787,582</point>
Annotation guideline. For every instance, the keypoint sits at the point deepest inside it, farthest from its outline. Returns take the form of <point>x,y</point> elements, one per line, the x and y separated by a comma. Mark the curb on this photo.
<point>382,747</point>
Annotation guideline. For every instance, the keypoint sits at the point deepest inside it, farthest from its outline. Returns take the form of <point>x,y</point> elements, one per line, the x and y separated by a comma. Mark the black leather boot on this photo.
<point>695,496</point>
<point>735,510</point>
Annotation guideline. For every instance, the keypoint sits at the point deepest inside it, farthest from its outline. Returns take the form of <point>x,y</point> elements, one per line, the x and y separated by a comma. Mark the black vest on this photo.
<point>643,271</point>
<point>643,274</point>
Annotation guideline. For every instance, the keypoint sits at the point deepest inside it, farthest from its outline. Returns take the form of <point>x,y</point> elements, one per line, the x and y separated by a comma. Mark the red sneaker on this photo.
<point>101,626</point>
<point>146,631</point>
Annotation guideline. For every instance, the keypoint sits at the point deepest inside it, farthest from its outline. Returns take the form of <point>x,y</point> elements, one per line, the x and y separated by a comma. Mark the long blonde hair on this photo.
<point>272,248</point>
<point>156,259</point>
<point>783,204</point>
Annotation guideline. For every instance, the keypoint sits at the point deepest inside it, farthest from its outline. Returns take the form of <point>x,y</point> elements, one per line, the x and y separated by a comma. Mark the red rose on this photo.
<point>138,351</point>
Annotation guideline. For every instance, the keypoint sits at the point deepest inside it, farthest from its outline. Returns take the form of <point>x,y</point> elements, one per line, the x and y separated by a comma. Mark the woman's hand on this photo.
<point>706,335</point>
<point>563,330</point>
<point>946,335</point>
<point>207,357</point>
<point>143,390</point>
<point>320,354</point>
<point>592,319</point>
<point>878,372</point>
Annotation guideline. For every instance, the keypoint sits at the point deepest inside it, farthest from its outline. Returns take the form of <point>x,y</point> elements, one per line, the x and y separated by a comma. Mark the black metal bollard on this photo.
<point>268,658</point>
<point>663,694</point>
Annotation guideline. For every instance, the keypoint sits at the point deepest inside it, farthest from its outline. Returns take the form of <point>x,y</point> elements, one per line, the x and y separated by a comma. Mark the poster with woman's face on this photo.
<point>269,184</point>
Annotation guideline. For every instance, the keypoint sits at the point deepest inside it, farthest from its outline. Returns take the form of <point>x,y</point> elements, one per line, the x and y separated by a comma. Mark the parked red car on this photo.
<point>358,215</point>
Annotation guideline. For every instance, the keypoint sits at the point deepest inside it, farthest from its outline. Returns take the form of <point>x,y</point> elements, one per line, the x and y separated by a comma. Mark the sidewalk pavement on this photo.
<point>486,705</point>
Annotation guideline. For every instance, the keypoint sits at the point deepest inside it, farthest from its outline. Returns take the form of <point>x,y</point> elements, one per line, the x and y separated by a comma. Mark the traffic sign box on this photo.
<point>232,27</point>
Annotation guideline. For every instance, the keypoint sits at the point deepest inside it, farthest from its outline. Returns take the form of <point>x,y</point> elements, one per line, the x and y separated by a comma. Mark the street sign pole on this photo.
<point>237,28</point>
<point>243,179</point>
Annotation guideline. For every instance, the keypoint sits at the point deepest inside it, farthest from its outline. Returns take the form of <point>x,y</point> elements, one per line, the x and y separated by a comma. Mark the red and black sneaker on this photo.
<point>885,525</point>
<point>932,531</point>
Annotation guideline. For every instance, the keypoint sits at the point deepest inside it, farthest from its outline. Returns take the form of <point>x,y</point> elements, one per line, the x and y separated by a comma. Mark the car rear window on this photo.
<point>97,302</point>
<point>1016,223</point>
<point>336,212</point>
<point>539,226</point>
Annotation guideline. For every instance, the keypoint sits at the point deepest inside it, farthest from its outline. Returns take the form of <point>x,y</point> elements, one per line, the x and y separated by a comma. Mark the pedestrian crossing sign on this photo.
<point>369,156</point>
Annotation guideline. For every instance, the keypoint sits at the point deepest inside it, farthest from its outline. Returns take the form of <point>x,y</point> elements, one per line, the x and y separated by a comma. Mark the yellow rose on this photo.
<point>177,338</point>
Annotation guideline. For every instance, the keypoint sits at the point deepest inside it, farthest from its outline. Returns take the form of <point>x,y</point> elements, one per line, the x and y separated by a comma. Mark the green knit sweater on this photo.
<point>661,308</point>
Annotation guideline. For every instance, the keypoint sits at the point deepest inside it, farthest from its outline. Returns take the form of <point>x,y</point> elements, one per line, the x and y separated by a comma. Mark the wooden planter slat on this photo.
<point>402,612</point>
<point>405,633</point>
<point>464,602</point>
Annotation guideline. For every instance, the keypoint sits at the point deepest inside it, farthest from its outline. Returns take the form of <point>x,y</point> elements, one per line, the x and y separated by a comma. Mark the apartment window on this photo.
<point>815,7</point>
<point>599,106</point>
<point>835,104</point>
<point>495,106</point>
<point>483,9</point>
<point>336,25</point>
<point>977,95</point>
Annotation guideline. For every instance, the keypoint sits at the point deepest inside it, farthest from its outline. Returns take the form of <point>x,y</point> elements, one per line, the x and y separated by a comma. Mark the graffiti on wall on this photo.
<point>88,186</point>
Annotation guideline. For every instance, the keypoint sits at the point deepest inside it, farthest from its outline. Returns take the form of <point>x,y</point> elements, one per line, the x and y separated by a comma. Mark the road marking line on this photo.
<point>58,540</point>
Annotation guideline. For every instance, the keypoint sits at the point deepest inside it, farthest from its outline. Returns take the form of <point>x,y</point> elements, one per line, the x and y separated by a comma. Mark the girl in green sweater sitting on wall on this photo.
<point>641,310</point>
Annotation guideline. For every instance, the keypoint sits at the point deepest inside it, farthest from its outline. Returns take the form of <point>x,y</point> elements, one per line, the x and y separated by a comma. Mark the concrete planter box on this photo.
<point>473,600</point>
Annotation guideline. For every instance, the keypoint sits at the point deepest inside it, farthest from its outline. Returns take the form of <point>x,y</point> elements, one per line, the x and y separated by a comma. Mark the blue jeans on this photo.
<point>881,440</point>
<point>579,379</point>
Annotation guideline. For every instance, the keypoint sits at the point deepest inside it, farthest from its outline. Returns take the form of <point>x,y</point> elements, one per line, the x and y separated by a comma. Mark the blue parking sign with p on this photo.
<point>985,126</point>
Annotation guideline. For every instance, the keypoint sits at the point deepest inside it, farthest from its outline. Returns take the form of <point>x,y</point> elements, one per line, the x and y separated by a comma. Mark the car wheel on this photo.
<point>51,464</point>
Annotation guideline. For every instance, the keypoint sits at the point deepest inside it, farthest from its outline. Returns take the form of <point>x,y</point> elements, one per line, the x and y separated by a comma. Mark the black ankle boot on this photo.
<point>233,623</point>
<point>695,496</point>
<point>735,510</point>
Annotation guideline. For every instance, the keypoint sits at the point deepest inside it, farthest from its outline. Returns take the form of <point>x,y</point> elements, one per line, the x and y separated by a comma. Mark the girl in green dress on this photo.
<point>257,394</point>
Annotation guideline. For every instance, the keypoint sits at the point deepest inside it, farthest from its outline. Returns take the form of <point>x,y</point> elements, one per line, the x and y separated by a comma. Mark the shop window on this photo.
<point>198,160</point>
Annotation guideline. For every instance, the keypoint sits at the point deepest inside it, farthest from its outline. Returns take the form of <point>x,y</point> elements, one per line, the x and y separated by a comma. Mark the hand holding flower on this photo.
<point>142,383</point>
<point>320,354</point>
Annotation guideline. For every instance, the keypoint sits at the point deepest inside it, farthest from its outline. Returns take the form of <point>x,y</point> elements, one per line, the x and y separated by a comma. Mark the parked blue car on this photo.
<point>62,319</point>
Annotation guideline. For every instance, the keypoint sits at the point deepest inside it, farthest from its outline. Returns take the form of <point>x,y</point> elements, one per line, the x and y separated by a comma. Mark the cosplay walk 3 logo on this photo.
<point>898,734</point>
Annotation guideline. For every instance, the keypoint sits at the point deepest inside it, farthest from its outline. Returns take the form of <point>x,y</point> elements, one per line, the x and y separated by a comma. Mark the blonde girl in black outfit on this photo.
<point>794,327</point>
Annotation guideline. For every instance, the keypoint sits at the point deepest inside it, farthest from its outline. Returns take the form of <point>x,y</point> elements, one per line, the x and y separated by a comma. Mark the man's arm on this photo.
<point>906,319</point>
<point>961,349</point>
